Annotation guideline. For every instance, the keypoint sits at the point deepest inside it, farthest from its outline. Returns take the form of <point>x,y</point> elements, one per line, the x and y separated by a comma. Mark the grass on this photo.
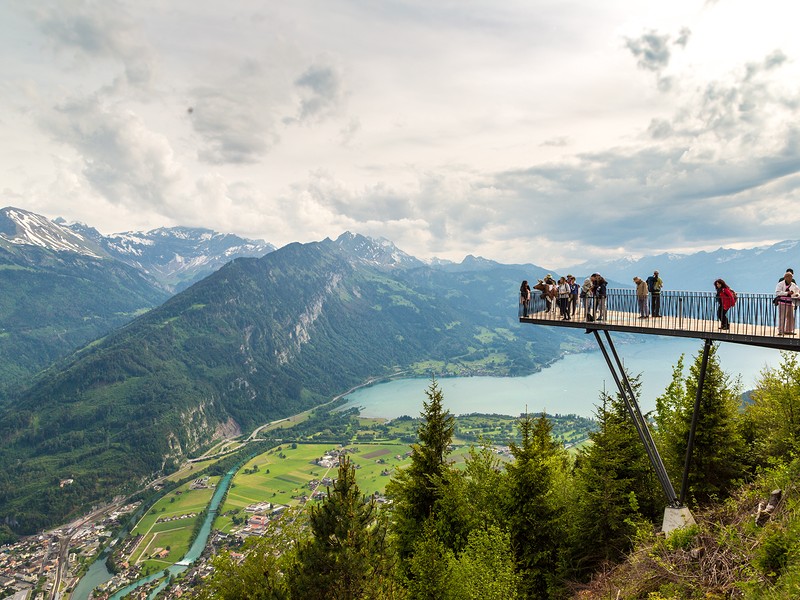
<point>176,534</point>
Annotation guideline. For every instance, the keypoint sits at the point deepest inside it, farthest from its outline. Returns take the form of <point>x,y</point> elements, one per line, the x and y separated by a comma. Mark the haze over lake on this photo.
<point>570,385</point>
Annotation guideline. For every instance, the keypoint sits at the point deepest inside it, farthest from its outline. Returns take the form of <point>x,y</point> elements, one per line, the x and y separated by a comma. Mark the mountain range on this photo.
<point>754,270</point>
<point>258,339</point>
<point>63,285</point>
<point>125,397</point>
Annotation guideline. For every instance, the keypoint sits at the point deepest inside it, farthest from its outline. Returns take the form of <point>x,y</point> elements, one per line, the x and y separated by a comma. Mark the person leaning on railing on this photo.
<point>786,292</point>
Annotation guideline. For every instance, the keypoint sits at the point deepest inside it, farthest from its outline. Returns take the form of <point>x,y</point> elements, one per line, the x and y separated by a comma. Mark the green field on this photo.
<point>174,533</point>
<point>284,473</point>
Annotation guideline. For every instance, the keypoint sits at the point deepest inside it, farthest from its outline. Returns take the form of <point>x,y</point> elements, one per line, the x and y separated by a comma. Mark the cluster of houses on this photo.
<point>190,515</point>
<point>330,459</point>
<point>33,561</point>
<point>259,516</point>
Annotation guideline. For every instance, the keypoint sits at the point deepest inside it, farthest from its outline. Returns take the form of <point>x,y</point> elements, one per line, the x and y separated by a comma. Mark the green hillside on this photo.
<point>258,340</point>
<point>53,302</point>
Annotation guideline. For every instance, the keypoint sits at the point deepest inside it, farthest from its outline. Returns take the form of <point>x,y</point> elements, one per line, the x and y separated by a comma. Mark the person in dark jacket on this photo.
<point>525,297</point>
<point>600,287</point>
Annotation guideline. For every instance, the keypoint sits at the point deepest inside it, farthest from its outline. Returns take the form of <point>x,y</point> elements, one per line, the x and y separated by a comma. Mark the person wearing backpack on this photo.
<point>785,294</point>
<point>726,298</point>
<point>654,285</point>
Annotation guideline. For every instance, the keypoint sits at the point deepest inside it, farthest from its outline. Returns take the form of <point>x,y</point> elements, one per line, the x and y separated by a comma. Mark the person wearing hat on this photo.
<point>654,285</point>
<point>786,292</point>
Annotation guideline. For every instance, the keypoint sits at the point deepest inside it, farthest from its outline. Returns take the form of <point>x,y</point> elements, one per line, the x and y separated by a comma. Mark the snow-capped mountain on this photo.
<point>746,270</point>
<point>23,228</point>
<point>179,256</point>
<point>378,252</point>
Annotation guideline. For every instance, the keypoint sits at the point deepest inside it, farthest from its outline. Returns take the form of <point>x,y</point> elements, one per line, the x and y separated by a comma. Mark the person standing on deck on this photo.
<point>574,291</point>
<point>587,292</point>
<point>525,297</point>
<point>725,300</point>
<point>654,285</point>
<point>641,296</point>
<point>785,293</point>
<point>600,287</point>
<point>563,294</point>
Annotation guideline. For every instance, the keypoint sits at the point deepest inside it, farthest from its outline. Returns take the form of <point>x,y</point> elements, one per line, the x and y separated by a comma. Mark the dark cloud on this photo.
<point>651,50</point>
<point>236,128</point>
<point>322,90</point>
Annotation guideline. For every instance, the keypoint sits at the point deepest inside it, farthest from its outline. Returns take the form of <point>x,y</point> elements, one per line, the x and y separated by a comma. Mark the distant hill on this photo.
<point>750,270</point>
<point>257,340</point>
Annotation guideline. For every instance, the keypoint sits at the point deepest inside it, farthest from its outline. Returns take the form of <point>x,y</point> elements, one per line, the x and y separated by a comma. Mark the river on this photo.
<point>98,573</point>
<point>570,385</point>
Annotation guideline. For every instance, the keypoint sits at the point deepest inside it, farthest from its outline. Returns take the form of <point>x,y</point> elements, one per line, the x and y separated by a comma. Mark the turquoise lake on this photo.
<point>569,385</point>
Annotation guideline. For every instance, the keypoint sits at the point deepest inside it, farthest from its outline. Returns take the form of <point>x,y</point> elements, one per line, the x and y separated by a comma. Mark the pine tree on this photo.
<point>485,570</point>
<point>415,490</point>
<point>775,411</point>
<point>346,557</point>
<point>616,488</point>
<point>716,462</point>
<point>532,509</point>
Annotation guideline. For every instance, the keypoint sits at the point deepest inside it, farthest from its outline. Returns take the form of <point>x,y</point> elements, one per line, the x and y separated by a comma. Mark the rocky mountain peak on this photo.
<point>24,228</point>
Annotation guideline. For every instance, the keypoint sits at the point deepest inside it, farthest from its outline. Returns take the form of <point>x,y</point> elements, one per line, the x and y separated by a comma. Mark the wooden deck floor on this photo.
<point>674,325</point>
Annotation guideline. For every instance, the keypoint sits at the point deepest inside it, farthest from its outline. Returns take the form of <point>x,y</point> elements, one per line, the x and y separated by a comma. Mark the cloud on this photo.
<point>322,91</point>
<point>234,127</point>
<point>651,51</point>
<point>92,31</point>
<point>121,158</point>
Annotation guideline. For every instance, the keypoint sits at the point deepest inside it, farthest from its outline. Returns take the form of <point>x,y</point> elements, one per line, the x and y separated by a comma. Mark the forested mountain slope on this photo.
<point>257,340</point>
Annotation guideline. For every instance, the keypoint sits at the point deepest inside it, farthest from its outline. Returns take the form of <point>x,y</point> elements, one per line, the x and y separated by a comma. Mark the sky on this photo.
<point>551,132</point>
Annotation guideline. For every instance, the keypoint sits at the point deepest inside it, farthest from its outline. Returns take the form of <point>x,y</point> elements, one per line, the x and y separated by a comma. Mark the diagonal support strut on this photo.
<point>639,422</point>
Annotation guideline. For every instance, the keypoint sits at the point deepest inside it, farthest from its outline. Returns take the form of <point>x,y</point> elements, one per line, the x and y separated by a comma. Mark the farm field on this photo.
<point>168,526</point>
<point>281,475</point>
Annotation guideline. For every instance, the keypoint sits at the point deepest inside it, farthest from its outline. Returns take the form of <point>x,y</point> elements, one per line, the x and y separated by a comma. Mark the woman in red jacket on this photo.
<point>725,300</point>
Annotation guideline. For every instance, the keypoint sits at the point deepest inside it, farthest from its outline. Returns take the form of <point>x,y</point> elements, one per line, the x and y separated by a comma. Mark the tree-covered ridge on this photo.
<point>258,340</point>
<point>52,302</point>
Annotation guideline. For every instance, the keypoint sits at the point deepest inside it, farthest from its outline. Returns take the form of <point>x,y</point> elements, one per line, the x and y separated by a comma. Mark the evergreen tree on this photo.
<point>429,566</point>
<point>616,488</point>
<point>415,490</point>
<point>485,570</point>
<point>532,508</point>
<point>471,501</point>
<point>716,462</point>
<point>775,411</point>
<point>346,557</point>
<point>258,576</point>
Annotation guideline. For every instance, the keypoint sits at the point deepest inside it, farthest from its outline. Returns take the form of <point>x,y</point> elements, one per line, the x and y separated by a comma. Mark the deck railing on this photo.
<point>753,314</point>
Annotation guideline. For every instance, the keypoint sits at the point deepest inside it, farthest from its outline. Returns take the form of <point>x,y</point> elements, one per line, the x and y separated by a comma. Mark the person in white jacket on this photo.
<point>786,292</point>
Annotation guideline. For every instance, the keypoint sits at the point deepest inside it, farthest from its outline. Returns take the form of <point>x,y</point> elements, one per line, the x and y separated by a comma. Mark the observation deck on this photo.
<point>753,319</point>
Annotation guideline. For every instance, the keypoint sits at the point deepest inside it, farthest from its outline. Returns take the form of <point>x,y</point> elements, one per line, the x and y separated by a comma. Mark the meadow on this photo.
<point>168,525</point>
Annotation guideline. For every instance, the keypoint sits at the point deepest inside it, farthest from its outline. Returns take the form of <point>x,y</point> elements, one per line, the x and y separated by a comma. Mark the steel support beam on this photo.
<point>690,443</point>
<point>639,422</point>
